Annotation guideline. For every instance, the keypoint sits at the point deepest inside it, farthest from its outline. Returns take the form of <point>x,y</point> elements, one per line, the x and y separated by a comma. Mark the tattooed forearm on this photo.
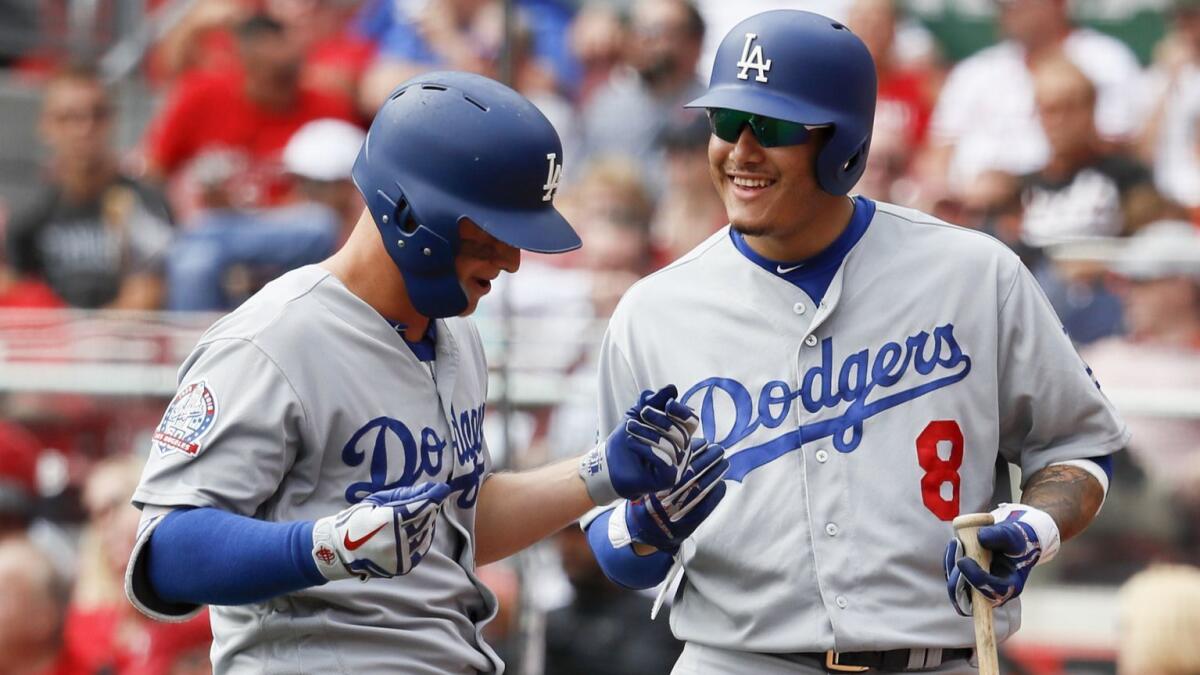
<point>1069,494</point>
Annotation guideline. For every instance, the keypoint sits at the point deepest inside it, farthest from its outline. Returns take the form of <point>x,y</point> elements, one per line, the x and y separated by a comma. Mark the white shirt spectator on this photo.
<point>1177,155</point>
<point>986,109</point>
<point>913,41</point>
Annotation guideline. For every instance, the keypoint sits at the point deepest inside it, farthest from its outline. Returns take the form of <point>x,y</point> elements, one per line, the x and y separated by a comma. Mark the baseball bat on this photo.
<point>967,528</point>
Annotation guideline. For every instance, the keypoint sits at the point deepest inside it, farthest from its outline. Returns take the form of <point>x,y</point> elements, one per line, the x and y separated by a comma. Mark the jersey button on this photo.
<point>842,601</point>
<point>811,340</point>
<point>831,529</point>
<point>822,456</point>
<point>799,308</point>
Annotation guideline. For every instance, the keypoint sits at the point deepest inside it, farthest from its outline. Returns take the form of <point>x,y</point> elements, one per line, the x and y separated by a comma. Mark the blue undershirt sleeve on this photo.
<point>1105,463</point>
<point>622,565</point>
<point>213,557</point>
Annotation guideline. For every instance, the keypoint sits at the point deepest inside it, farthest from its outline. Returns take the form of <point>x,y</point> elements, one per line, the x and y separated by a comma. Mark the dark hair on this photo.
<point>695,22</point>
<point>75,71</point>
<point>257,26</point>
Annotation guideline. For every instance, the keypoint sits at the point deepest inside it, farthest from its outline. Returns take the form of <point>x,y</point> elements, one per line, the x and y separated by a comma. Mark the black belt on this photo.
<point>895,659</point>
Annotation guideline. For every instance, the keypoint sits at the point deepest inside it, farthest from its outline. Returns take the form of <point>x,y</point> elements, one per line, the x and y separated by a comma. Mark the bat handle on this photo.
<point>967,528</point>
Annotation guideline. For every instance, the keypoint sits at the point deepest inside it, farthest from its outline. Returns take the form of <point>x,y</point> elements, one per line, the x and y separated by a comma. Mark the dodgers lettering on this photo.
<point>393,449</point>
<point>858,377</point>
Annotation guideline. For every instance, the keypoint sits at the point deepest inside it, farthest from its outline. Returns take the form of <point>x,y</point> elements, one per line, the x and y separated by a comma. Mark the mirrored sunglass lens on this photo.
<point>727,124</point>
<point>773,133</point>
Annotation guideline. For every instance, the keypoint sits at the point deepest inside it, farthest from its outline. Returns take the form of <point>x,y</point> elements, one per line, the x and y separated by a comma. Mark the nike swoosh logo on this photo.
<point>352,544</point>
<point>780,269</point>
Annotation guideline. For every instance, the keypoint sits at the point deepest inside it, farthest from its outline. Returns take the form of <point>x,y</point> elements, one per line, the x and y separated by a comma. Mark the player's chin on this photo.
<point>750,224</point>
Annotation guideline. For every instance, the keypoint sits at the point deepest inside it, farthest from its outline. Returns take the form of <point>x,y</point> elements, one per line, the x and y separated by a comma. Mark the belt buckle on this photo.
<point>831,664</point>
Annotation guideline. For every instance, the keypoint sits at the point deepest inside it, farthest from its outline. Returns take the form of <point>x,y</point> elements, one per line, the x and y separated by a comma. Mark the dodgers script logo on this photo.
<point>863,380</point>
<point>396,452</point>
<point>188,418</point>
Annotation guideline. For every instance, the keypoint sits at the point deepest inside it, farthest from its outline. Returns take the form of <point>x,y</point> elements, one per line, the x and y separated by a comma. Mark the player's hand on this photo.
<point>664,519</point>
<point>1022,536</point>
<point>385,535</point>
<point>647,452</point>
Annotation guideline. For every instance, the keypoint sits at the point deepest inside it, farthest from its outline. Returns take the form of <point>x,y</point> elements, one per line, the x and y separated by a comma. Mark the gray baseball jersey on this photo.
<point>299,403</point>
<point>857,427</point>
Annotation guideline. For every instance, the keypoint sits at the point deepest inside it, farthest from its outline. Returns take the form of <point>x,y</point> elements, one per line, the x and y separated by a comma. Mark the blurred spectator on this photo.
<point>1086,189</point>
<point>985,117</point>
<point>591,634</point>
<point>597,41</point>
<point>19,452</point>
<point>32,609</point>
<point>95,235</point>
<point>103,632</point>
<point>319,158</point>
<point>1170,139</point>
<point>423,35</point>
<point>335,54</point>
<point>628,115</point>
<point>905,102</point>
<point>254,246</point>
<point>202,41</point>
<point>1159,280</point>
<point>248,114</point>
<point>690,209</point>
<point>612,215</point>
<point>1159,611</point>
<point>905,95</point>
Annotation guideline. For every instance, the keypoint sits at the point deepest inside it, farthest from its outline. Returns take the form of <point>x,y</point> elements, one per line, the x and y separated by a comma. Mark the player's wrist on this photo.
<point>1039,521</point>
<point>325,550</point>
<point>593,471</point>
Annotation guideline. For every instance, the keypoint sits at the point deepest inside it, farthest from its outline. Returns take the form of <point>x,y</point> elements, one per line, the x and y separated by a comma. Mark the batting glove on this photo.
<point>385,535</point>
<point>1022,537</point>
<point>647,452</point>
<point>664,519</point>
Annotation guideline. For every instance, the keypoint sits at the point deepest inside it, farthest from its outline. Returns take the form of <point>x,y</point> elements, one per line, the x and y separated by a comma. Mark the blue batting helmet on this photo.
<point>804,68</point>
<point>447,146</point>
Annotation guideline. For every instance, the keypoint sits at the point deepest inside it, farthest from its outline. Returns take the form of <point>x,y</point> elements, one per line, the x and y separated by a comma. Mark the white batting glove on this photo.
<point>385,535</point>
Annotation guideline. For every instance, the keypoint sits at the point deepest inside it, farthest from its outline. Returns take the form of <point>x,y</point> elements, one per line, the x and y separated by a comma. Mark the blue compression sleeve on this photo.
<point>622,565</point>
<point>212,557</point>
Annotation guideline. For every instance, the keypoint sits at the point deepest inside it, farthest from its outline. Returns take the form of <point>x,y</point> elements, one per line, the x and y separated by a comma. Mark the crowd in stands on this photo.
<point>1054,139</point>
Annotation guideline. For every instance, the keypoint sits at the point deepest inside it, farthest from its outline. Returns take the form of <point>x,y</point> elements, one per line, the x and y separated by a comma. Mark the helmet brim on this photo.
<point>538,231</point>
<point>763,103</point>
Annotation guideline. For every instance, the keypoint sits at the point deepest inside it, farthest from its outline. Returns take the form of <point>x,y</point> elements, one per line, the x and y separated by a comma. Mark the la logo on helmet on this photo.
<point>753,59</point>
<point>553,173</point>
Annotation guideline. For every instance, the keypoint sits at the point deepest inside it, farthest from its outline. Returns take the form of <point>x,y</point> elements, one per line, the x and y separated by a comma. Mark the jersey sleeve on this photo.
<point>1051,408</point>
<point>228,436</point>
<point>618,387</point>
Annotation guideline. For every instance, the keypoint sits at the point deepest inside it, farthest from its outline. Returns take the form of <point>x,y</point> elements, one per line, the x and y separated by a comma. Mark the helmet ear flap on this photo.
<point>835,175</point>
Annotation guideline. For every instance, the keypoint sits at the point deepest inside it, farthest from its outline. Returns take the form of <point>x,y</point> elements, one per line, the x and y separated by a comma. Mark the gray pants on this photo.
<point>700,660</point>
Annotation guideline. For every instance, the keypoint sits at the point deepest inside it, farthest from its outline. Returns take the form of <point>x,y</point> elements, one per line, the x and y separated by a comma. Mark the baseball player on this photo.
<point>871,372</point>
<point>330,429</point>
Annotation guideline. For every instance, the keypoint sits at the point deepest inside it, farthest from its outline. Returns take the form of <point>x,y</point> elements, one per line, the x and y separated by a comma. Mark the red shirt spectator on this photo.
<point>904,104</point>
<point>101,640</point>
<point>189,126</point>
<point>248,114</point>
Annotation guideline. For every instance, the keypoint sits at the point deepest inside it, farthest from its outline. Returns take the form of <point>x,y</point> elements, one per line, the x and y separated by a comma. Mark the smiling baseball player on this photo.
<point>330,429</point>
<point>871,372</point>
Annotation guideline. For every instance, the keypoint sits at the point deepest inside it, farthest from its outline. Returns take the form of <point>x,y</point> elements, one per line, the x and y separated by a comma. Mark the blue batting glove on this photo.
<point>647,452</point>
<point>663,520</point>
<point>1022,537</point>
